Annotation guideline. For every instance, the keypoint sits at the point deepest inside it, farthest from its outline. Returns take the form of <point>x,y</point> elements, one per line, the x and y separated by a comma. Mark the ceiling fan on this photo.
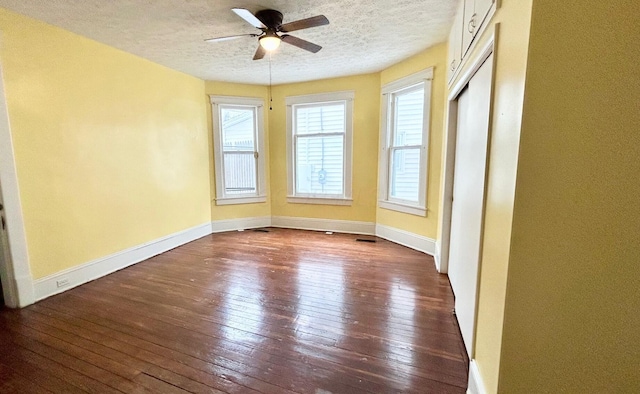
<point>270,22</point>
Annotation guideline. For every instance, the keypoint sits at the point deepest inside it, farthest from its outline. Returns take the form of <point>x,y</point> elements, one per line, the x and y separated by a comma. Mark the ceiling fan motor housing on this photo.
<point>271,18</point>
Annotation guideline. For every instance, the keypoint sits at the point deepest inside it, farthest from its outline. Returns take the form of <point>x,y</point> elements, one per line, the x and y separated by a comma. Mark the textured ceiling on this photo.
<point>363,35</point>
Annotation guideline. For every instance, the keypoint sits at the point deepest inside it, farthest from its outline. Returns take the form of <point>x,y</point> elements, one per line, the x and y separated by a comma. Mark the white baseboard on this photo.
<point>76,276</point>
<point>26,293</point>
<point>219,226</point>
<point>476,386</point>
<point>436,257</point>
<point>338,226</point>
<point>405,238</point>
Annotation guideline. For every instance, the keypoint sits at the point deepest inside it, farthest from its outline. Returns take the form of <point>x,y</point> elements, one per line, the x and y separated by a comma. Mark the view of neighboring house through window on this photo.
<point>238,147</point>
<point>403,161</point>
<point>319,142</point>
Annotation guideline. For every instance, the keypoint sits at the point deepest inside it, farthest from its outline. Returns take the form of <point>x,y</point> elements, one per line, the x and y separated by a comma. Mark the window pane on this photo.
<point>405,174</point>
<point>320,165</point>
<point>409,109</point>
<point>239,173</point>
<point>237,129</point>
<point>327,118</point>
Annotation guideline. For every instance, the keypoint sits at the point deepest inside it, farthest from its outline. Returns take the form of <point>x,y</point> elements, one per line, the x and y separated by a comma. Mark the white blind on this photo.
<point>238,147</point>
<point>319,135</point>
<point>406,141</point>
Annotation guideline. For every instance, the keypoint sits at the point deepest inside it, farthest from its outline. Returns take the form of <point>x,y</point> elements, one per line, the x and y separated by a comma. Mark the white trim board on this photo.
<point>436,258</point>
<point>476,385</point>
<point>19,283</point>
<point>76,276</point>
<point>405,238</point>
<point>220,226</point>
<point>401,237</point>
<point>338,226</point>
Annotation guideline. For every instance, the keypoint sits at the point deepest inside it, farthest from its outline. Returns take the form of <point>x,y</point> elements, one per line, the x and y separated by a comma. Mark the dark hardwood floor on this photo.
<point>283,311</point>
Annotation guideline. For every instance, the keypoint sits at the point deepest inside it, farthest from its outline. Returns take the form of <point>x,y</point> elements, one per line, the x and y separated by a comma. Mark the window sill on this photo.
<point>404,208</point>
<point>240,200</point>
<point>319,200</point>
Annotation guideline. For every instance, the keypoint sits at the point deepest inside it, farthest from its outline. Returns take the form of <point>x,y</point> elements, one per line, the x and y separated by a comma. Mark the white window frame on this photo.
<point>385,200</point>
<point>309,198</point>
<point>260,195</point>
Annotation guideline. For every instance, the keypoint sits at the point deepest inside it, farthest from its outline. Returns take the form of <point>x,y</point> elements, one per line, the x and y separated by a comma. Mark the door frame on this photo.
<point>442,244</point>
<point>18,286</point>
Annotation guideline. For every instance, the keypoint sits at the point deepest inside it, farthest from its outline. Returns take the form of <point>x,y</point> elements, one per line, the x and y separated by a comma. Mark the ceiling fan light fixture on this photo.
<point>270,42</point>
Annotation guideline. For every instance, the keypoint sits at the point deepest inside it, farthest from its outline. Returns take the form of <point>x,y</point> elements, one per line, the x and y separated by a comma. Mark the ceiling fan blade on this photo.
<point>227,38</point>
<point>249,17</point>
<point>314,21</point>
<point>300,43</point>
<point>260,52</point>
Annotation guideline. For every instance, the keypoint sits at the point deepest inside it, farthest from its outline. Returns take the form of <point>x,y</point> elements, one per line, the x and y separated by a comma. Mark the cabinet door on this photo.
<point>475,12</point>
<point>482,8</point>
<point>455,43</point>
<point>470,25</point>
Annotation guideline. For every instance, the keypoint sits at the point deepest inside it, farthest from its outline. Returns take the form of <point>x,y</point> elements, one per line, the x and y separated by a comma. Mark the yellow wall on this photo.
<point>571,320</point>
<point>366,114</point>
<point>111,150</point>
<point>511,57</point>
<point>223,212</point>
<point>433,57</point>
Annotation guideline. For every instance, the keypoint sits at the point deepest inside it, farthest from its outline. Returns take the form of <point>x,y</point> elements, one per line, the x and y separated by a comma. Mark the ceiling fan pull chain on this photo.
<point>270,95</point>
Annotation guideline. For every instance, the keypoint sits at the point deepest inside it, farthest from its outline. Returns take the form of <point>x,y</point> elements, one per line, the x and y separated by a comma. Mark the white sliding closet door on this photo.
<point>468,198</point>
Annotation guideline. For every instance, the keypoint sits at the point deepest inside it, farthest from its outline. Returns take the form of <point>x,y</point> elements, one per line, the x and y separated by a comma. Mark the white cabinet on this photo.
<point>455,43</point>
<point>471,18</point>
<point>475,12</point>
<point>482,8</point>
<point>469,24</point>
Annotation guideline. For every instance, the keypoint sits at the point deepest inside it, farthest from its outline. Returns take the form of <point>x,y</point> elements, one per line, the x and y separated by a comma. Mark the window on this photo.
<point>238,150</point>
<point>404,140</point>
<point>319,137</point>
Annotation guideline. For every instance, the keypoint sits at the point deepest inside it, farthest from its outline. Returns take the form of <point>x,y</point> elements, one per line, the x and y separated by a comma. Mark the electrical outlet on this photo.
<point>62,282</point>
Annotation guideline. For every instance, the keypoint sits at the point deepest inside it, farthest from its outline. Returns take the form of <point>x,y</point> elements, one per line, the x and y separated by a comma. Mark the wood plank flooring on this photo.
<point>281,311</point>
